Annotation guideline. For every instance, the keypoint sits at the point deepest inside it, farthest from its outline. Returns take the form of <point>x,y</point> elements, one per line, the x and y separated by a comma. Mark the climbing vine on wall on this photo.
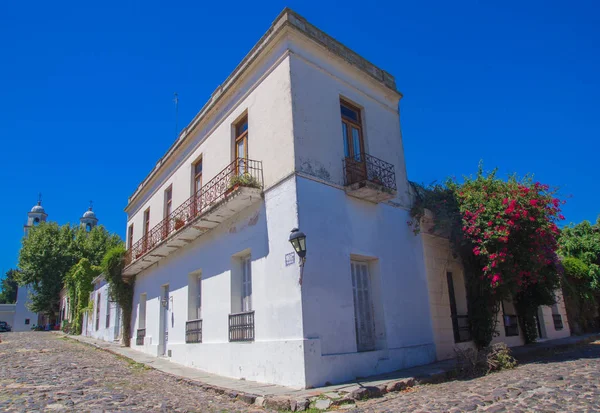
<point>505,233</point>
<point>120,290</point>
<point>78,283</point>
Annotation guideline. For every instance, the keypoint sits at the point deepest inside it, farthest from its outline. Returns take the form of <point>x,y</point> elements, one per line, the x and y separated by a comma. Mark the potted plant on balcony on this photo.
<point>245,180</point>
<point>178,222</point>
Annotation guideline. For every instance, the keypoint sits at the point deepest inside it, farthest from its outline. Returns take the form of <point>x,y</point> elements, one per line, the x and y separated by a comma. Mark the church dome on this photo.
<point>89,214</point>
<point>38,209</point>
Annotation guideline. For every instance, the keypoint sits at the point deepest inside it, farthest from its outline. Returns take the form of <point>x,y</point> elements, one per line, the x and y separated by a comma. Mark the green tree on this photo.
<point>48,254</point>
<point>120,290</point>
<point>8,287</point>
<point>580,251</point>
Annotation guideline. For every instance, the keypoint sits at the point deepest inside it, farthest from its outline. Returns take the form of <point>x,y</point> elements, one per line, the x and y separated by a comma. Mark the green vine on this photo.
<point>120,290</point>
<point>79,286</point>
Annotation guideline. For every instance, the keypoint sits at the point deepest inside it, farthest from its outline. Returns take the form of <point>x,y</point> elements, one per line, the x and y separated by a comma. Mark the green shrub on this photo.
<point>245,179</point>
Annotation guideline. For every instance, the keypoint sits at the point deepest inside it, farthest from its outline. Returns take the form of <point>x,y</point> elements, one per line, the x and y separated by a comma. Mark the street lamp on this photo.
<point>298,241</point>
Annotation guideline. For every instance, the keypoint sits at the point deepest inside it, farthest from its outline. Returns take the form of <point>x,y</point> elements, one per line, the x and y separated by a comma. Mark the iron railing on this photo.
<point>193,331</point>
<point>139,337</point>
<point>462,328</point>
<point>241,172</point>
<point>558,324</point>
<point>511,325</point>
<point>241,326</point>
<point>364,167</point>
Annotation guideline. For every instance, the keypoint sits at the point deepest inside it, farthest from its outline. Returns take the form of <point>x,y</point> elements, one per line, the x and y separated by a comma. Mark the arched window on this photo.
<point>88,227</point>
<point>36,221</point>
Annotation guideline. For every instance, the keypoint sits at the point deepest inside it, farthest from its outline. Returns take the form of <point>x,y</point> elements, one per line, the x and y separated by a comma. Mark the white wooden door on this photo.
<point>165,314</point>
<point>363,306</point>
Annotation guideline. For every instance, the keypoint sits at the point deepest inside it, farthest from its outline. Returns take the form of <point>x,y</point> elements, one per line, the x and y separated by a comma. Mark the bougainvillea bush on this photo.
<point>505,232</point>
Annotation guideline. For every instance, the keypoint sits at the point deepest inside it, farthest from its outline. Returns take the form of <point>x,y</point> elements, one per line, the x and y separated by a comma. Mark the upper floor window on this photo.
<point>352,131</point>
<point>241,143</point>
<point>130,236</point>
<point>198,175</point>
<point>168,201</point>
<point>146,221</point>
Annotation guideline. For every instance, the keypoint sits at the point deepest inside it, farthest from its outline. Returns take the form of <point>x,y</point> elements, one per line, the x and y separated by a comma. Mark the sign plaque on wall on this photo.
<point>290,259</point>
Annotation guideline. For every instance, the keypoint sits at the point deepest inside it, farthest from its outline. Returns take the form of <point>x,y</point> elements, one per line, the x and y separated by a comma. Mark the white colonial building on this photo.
<point>303,134</point>
<point>104,321</point>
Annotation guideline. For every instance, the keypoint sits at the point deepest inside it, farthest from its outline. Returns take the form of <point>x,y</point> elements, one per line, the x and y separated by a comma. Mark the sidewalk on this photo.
<point>285,398</point>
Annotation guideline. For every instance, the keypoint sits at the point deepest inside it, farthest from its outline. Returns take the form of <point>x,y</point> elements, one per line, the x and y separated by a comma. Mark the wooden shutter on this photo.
<point>363,306</point>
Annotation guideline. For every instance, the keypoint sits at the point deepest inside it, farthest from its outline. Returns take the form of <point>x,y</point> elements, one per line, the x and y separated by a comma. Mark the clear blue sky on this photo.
<point>86,91</point>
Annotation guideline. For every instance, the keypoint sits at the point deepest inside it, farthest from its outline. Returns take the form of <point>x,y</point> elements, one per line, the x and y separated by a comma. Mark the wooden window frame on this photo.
<point>352,123</point>
<point>196,175</point>
<point>246,291</point>
<point>167,210</point>
<point>130,236</point>
<point>146,229</point>
<point>243,136</point>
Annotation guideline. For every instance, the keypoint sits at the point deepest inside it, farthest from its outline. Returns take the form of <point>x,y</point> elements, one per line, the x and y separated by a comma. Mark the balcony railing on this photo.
<point>461,327</point>
<point>241,326</point>
<point>239,173</point>
<point>193,331</point>
<point>511,325</point>
<point>364,167</point>
<point>139,337</point>
<point>558,324</point>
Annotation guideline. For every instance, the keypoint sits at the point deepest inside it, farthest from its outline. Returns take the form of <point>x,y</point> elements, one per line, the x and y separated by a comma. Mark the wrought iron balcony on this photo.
<point>369,178</point>
<point>241,326</point>
<point>139,337</point>
<point>558,323</point>
<point>461,327</point>
<point>239,185</point>
<point>193,331</point>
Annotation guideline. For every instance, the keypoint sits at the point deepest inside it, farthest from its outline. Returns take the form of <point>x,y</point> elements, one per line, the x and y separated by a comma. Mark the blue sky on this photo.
<point>86,91</point>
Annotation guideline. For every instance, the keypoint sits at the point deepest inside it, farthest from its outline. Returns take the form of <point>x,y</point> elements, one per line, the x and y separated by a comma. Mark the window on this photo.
<point>36,221</point>
<point>460,320</point>
<point>107,311</point>
<point>197,175</point>
<point>88,227</point>
<point>146,229</point>
<point>98,312</point>
<point>351,131</point>
<point>168,209</point>
<point>557,318</point>
<point>363,306</point>
<point>241,144</point>
<point>246,285</point>
<point>130,237</point>
<point>511,323</point>
<point>27,321</point>
<point>195,296</point>
<point>142,312</point>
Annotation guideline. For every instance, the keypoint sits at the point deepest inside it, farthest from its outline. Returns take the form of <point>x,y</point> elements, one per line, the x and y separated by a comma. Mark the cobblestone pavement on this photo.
<point>42,372</point>
<point>567,381</point>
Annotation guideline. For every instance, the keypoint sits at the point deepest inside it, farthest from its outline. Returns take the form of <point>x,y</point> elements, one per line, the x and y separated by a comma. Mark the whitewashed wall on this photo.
<point>319,80</point>
<point>113,331</point>
<point>22,313</point>
<point>265,95</point>
<point>7,313</point>
<point>276,355</point>
<point>338,228</point>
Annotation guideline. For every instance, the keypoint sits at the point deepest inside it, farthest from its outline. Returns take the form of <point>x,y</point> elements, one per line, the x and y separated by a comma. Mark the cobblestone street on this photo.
<point>568,381</point>
<point>43,372</point>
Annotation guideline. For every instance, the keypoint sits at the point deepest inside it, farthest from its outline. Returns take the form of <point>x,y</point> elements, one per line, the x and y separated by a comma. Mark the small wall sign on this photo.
<point>290,259</point>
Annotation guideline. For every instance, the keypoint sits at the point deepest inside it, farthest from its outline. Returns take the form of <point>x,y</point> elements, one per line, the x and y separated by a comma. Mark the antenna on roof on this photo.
<point>176,100</point>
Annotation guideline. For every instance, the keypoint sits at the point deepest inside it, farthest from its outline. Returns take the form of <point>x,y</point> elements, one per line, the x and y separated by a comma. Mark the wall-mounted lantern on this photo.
<point>298,241</point>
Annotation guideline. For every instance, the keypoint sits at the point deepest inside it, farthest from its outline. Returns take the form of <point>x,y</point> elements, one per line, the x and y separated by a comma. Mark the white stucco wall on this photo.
<point>264,94</point>
<point>319,80</point>
<point>22,313</point>
<point>339,228</point>
<point>113,331</point>
<point>276,355</point>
